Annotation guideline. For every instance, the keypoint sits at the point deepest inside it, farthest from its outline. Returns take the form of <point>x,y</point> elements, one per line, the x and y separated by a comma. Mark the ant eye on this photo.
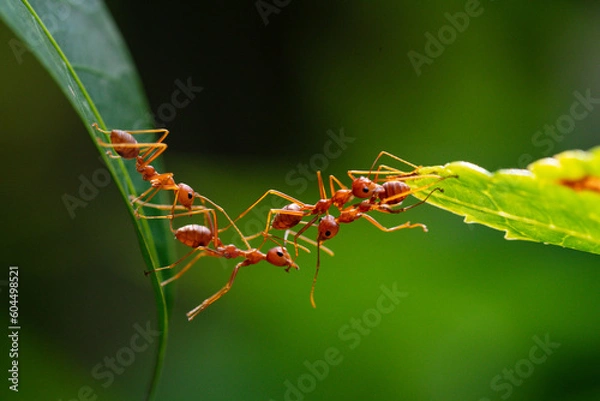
<point>327,233</point>
<point>365,190</point>
<point>278,256</point>
<point>190,195</point>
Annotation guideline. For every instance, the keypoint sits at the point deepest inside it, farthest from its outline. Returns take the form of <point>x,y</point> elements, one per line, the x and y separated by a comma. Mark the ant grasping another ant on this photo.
<point>292,214</point>
<point>381,197</point>
<point>277,256</point>
<point>208,213</point>
<point>126,146</point>
<point>193,239</point>
<point>329,226</point>
<point>200,237</point>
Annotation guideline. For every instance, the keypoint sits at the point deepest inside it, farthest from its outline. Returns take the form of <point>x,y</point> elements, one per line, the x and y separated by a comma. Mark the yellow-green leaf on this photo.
<point>555,201</point>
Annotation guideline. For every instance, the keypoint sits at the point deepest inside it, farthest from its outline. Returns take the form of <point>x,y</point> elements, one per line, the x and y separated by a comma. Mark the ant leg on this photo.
<point>414,190</point>
<point>231,222</point>
<point>311,242</point>
<point>157,147</point>
<point>186,267</point>
<point>307,225</point>
<point>388,173</point>
<point>286,241</point>
<point>322,193</point>
<point>388,170</point>
<point>192,210</point>
<point>204,251</point>
<point>135,132</point>
<point>271,213</point>
<point>207,302</point>
<point>303,229</point>
<point>143,195</point>
<point>154,149</point>
<point>153,152</point>
<point>332,179</point>
<point>266,234</point>
<point>148,195</point>
<point>377,224</point>
<point>172,265</point>
<point>314,283</point>
<point>263,196</point>
<point>387,209</point>
<point>195,209</point>
<point>384,153</point>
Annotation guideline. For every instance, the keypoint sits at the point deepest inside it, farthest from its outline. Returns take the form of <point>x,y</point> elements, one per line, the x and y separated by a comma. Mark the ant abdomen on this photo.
<point>391,189</point>
<point>118,137</point>
<point>284,221</point>
<point>194,235</point>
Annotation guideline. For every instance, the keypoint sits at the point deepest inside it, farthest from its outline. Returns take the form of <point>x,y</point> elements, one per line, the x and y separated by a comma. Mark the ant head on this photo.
<point>185,195</point>
<point>363,187</point>
<point>194,235</point>
<point>279,256</point>
<point>328,228</point>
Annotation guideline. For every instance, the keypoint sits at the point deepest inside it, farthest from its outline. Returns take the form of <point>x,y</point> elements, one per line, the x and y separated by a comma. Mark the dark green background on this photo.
<point>271,93</point>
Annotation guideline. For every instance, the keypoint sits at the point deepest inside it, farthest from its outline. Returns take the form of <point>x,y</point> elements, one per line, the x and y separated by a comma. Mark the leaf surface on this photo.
<point>79,45</point>
<point>555,201</point>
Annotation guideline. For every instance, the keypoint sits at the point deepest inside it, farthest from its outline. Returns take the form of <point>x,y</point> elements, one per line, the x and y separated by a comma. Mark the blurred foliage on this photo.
<point>475,302</point>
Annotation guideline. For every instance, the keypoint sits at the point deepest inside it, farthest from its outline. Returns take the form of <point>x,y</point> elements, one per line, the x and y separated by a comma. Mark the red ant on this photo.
<point>208,213</point>
<point>277,256</point>
<point>200,237</point>
<point>377,197</point>
<point>126,146</point>
<point>382,196</point>
<point>292,214</point>
<point>329,225</point>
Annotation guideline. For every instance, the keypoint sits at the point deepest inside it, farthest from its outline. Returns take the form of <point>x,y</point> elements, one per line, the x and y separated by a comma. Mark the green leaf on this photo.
<point>555,201</point>
<point>79,45</point>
